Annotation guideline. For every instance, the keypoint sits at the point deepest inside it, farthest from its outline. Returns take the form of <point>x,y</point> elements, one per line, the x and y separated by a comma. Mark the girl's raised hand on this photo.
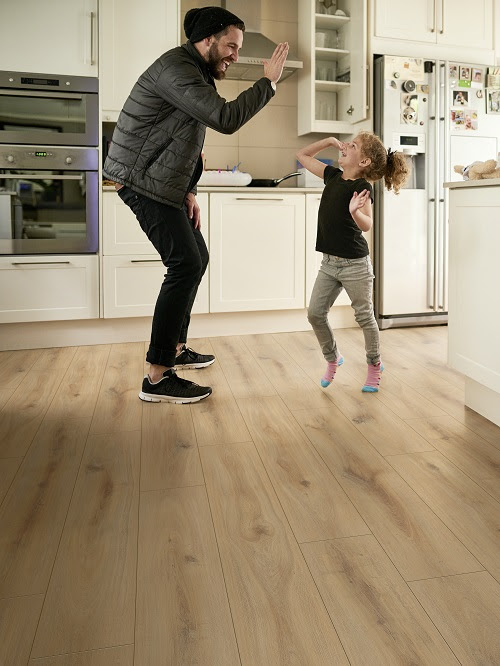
<point>336,143</point>
<point>358,201</point>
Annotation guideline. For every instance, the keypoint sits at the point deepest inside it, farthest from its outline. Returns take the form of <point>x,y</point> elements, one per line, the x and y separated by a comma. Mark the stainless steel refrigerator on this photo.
<point>435,113</point>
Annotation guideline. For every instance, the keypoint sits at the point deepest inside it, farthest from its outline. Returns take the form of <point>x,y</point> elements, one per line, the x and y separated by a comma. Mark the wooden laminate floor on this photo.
<point>275,523</point>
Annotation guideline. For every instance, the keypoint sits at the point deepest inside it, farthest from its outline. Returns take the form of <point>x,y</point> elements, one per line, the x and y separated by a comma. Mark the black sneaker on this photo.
<point>188,358</point>
<point>173,389</point>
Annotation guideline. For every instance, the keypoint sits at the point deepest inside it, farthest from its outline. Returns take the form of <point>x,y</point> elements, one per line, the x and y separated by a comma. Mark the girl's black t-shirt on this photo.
<point>338,233</point>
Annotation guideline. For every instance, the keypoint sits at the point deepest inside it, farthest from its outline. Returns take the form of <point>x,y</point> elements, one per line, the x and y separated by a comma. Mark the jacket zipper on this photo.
<point>156,155</point>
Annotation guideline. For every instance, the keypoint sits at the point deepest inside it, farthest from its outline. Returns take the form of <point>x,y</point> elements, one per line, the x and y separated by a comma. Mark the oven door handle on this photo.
<point>40,93</point>
<point>38,176</point>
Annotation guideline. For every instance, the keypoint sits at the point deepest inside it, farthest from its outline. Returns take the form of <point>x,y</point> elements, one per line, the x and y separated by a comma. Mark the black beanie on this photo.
<point>207,21</point>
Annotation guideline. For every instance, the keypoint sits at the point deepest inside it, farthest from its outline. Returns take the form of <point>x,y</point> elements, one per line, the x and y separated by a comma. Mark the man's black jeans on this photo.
<point>183,251</point>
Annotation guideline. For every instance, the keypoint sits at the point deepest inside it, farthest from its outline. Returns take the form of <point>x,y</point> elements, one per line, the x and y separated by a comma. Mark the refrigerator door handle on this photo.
<point>431,255</point>
<point>441,171</point>
<point>437,263</point>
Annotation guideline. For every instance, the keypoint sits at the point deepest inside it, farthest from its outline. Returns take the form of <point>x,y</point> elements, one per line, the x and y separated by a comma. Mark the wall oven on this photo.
<point>49,138</point>
<point>41,109</point>
<point>48,200</point>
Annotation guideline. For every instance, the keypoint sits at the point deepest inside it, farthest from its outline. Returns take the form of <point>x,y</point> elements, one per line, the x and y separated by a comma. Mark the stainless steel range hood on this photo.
<point>256,46</point>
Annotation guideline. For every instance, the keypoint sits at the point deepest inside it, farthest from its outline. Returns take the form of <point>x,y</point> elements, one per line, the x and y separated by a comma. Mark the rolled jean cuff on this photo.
<point>161,357</point>
<point>331,358</point>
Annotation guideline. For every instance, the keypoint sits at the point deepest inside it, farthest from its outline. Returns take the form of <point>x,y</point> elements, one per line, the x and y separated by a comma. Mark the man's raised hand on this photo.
<point>273,68</point>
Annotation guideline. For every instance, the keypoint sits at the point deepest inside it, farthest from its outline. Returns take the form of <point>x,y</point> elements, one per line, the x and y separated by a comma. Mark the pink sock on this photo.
<point>331,369</point>
<point>373,378</point>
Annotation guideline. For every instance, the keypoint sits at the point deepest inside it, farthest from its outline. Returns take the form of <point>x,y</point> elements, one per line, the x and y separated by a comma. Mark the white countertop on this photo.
<point>248,190</point>
<point>486,182</point>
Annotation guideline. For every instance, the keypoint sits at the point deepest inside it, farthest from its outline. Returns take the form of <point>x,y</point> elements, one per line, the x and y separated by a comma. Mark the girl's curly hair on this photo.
<point>394,168</point>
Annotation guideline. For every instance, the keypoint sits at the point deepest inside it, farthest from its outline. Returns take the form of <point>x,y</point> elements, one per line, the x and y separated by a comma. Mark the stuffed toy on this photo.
<point>479,170</point>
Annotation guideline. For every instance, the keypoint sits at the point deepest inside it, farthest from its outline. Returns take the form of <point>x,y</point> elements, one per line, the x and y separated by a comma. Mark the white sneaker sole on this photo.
<point>151,397</point>
<point>194,366</point>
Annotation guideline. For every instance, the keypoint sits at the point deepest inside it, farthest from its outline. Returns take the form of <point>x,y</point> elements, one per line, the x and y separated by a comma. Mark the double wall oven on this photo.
<point>49,136</point>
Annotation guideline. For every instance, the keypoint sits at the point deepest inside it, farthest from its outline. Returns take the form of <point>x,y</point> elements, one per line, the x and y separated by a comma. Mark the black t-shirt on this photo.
<point>338,233</point>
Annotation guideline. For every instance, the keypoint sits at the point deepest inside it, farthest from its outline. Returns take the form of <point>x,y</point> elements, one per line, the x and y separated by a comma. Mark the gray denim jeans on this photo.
<point>356,277</point>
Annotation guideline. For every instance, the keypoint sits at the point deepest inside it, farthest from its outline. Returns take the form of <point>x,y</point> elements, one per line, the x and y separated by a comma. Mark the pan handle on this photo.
<point>289,175</point>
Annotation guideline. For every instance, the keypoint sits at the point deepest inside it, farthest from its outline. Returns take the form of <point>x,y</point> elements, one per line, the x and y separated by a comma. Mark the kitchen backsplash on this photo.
<point>267,144</point>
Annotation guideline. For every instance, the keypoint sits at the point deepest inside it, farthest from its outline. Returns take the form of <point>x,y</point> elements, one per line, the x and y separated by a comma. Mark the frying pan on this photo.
<point>270,182</point>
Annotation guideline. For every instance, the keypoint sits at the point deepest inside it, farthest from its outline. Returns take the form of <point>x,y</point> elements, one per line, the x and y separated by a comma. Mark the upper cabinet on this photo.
<point>134,35</point>
<point>397,19</point>
<point>459,29</point>
<point>49,37</point>
<point>333,86</point>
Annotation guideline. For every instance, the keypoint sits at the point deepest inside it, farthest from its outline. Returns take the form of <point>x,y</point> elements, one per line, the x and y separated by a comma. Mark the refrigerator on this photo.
<point>434,112</point>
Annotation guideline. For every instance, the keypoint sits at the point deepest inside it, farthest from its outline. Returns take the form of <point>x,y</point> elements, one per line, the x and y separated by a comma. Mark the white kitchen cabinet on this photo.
<point>257,246</point>
<point>132,269</point>
<point>313,258</point>
<point>134,34</point>
<point>131,285</point>
<point>121,232</point>
<point>48,288</point>
<point>445,22</point>
<point>333,86</point>
<point>49,36</point>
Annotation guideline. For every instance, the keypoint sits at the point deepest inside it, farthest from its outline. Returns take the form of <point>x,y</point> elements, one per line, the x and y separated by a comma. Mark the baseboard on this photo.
<point>41,335</point>
<point>483,400</point>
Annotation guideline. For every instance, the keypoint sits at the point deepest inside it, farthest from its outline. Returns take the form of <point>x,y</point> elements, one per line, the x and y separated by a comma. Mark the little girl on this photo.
<point>344,213</point>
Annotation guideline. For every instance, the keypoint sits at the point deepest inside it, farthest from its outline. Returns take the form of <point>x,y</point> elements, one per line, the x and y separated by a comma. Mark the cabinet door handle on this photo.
<point>92,38</point>
<point>368,99</point>
<point>256,199</point>
<point>39,263</point>
<point>442,18</point>
<point>433,29</point>
<point>144,261</point>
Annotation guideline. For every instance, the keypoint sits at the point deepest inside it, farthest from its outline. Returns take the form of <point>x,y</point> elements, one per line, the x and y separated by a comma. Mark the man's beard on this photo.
<point>214,61</point>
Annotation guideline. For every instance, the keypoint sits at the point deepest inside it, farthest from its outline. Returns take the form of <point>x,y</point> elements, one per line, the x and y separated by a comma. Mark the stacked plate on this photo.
<point>218,177</point>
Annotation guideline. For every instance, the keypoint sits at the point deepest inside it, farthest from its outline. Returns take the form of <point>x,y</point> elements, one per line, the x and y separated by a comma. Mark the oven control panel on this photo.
<point>36,157</point>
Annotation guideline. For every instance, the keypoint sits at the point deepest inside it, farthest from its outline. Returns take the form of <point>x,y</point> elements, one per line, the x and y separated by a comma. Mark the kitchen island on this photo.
<point>474,292</point>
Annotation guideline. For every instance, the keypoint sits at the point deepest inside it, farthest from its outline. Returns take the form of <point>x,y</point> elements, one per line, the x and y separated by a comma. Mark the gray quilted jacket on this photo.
<point>160,131</point>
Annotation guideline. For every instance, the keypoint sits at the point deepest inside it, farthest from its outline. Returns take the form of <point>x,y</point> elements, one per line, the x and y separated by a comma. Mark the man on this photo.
<point>155,159</point>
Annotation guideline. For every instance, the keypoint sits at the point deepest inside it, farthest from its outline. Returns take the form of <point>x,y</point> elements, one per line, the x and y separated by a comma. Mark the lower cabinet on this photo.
<point>49,288</point>
<point>313,258</point>
<point>257,246</point>
<point>131,285</point>
<point>132,269</point>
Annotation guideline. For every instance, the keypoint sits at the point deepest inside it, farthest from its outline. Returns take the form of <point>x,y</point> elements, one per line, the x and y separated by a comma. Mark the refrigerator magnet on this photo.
<point>460,98</point>
<point>457,119</point>
<point>464,81</point>
<point>471,121</point>
<point>493,100</point>
<point>477,78</point>
<point>453,72</point>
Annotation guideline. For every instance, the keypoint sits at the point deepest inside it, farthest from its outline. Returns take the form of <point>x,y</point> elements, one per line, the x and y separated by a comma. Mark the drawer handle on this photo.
<point>256,199</point>
<point>39,263</point>
<point>92,37</point>
<point>17,176</point>
<point>144,261</point>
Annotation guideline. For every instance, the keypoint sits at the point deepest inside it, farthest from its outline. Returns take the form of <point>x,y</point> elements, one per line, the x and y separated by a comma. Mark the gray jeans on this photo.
<point>356,277</point>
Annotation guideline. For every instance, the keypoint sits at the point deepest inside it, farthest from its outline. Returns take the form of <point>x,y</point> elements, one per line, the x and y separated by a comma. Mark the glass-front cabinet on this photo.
<point>333,86</point>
